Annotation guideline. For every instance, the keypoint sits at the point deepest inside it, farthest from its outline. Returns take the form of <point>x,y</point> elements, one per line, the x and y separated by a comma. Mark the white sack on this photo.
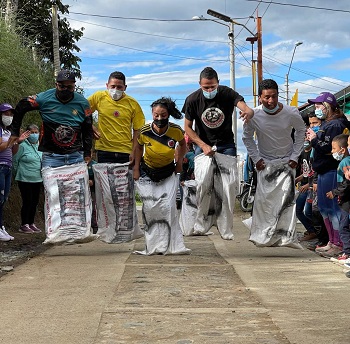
<point>217,187</point>
<point>159,213</point>
<point>67,204</point>
<point>189,207</point>
<point>273,220</point>
<point>115,202</point>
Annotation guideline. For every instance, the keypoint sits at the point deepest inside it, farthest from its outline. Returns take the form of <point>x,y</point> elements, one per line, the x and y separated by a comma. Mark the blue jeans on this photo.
<point>228,149</point>
<point>112,157</point>
<point>304,212</point>
<point>5,184</point>
<point>57,160</point>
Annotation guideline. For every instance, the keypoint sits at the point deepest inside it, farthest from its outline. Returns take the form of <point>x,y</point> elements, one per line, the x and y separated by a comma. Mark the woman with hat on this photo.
<point>335,123</point>
<point>6,152</point>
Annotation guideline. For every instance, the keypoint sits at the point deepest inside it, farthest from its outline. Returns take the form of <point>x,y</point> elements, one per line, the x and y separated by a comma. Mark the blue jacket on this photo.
<point>27,163</point>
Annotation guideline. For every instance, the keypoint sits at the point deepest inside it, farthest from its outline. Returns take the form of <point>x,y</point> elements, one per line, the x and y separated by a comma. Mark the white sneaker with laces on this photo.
<point>4,231</point>
<point>3,236</point>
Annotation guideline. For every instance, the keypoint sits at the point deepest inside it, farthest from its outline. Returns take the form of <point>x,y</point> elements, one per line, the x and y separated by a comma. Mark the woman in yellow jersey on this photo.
<point>154,171</point>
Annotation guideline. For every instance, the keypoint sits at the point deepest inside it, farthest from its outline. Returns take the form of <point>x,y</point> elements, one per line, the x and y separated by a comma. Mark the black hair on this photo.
<point>117,75</point>
<point>168,104</point>
<point>342,140</point>
<point>208,73</point>
<point>267,84</point>
<point>32,126</point>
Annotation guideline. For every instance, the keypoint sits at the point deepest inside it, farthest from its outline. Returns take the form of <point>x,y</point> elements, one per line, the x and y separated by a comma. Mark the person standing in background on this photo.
<point>6,151</point>
<point>27,167</point>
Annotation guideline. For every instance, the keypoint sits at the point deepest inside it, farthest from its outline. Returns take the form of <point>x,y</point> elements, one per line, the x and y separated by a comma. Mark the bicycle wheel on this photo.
<point>246,203</point>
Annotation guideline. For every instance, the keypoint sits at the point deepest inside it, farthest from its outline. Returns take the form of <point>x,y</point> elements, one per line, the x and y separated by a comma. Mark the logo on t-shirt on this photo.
<point>213,117</point>
<point>171,143</point>
<point>116,114</point>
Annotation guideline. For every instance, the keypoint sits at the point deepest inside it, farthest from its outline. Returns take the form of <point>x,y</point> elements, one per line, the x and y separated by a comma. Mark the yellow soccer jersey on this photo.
<point>116,120</point>
<point>159,149</point>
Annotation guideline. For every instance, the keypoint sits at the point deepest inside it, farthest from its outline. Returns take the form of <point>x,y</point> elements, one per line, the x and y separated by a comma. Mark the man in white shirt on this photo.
<point>275,157</point>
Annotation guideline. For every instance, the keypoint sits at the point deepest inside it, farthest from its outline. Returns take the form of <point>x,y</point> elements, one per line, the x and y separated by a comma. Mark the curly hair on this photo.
<point>168,104</point>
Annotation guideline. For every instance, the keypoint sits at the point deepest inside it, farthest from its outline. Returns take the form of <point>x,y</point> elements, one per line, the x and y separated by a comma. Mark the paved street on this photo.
<point>224,292</point>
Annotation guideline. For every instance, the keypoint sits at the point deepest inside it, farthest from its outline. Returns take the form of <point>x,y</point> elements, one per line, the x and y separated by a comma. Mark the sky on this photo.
<point>162,50</point>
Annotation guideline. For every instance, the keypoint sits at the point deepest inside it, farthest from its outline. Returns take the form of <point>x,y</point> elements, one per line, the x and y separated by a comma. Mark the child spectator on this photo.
<point>340,153</point>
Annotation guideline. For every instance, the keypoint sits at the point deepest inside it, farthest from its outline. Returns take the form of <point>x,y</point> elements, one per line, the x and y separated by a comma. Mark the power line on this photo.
<point>301,6</point>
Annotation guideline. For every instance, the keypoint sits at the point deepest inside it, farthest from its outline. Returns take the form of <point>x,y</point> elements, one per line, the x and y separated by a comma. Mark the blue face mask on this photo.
<point>315,129</point>
<point>270,111</point>
<point>210,95</point>
<point>33,138</point>
<point>319,114</point>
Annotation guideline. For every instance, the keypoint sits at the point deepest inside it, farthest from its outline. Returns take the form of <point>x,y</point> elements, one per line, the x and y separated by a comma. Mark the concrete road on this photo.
<point>224,292</point>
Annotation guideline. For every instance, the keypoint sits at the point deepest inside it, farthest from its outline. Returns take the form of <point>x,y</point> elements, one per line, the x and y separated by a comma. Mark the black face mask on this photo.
<point>65,95</point>
<point>161,123</point>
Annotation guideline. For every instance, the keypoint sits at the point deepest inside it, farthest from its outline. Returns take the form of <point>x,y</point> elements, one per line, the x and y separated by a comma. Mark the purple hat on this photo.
<point>5,107</point>
<point>325,97</point>
<point>65,75</point>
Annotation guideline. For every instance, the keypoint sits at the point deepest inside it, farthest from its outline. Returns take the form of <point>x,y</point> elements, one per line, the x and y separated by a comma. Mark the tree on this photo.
<point>33,20</point>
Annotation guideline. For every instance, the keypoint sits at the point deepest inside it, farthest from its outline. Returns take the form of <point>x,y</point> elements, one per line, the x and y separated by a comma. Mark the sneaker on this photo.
<point>332,252</point>
<point>25,229</point>
<point>5,232</point>
<point>34,228</point>
<point>341,259</point>
<point>323,248</point>
<point>3,236</point>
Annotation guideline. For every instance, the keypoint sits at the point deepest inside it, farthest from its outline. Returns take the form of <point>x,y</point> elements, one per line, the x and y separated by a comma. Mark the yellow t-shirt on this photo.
<point>116,120</point>
<point>159,149</point>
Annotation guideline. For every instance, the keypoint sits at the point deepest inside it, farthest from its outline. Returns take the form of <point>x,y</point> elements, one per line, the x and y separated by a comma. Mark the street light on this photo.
<point>231,37</point>
<point>287,75</point>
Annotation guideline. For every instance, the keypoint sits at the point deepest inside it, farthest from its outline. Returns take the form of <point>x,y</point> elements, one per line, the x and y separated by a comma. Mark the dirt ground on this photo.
<point>24,246</point>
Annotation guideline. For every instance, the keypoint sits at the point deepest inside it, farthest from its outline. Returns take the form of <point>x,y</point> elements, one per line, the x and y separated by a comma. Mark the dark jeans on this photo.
<point>304,212</point>
<point>30,193</point>
<point>5,184</point>
<point>112,157</point>
<point>228,149</point>
<point>344,231</point>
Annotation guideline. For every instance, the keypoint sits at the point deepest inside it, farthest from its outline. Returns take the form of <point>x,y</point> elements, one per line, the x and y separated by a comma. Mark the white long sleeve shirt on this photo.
<point>273,133</point>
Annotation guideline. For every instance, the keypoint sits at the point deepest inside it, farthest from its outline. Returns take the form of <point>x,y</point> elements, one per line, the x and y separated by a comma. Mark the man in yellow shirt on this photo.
<point>120,119</point>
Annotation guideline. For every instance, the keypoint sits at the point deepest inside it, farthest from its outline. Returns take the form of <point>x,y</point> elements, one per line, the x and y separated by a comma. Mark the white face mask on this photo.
<point>115,94</point>
<point>7,120</point>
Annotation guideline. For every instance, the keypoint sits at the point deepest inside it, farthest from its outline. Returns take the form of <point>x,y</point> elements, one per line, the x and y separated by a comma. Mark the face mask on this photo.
<point>210,95</point>
<point>338,156</point>
<point>65,95</point>
<point>33,138</point>
<point>315,129</point>
<point>307,144</point>
<point>270,111</point>
<point>319,114</point>
<point>161,123</point>
<point>349,150</point>
<point>115,94</point>
<point>7,120</point>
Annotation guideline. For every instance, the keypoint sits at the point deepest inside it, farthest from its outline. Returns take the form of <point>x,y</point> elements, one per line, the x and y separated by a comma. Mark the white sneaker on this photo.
<point>4,231</point>
<point>3,236</point>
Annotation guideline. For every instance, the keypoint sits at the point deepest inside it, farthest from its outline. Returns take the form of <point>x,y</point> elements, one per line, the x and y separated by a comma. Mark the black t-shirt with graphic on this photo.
<point>212,117</point>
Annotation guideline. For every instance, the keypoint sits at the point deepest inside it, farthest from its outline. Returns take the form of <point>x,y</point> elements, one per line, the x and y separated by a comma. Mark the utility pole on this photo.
<point>259,29</point>
<point>55,38</point>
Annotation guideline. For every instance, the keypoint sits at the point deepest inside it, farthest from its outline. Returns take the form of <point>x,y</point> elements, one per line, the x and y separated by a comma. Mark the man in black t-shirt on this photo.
<point>211,108</point>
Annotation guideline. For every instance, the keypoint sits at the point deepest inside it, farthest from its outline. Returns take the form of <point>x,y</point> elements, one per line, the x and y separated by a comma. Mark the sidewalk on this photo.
<point>224,292</point>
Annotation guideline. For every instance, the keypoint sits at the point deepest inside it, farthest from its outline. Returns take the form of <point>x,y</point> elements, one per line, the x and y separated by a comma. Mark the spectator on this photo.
<point>27,166</point>
<point>342,192</point>
<point>7,149</point>
<point>119,121</point>
<point>157,183</point>
<point>275,156</point>
<point>335,123</point>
